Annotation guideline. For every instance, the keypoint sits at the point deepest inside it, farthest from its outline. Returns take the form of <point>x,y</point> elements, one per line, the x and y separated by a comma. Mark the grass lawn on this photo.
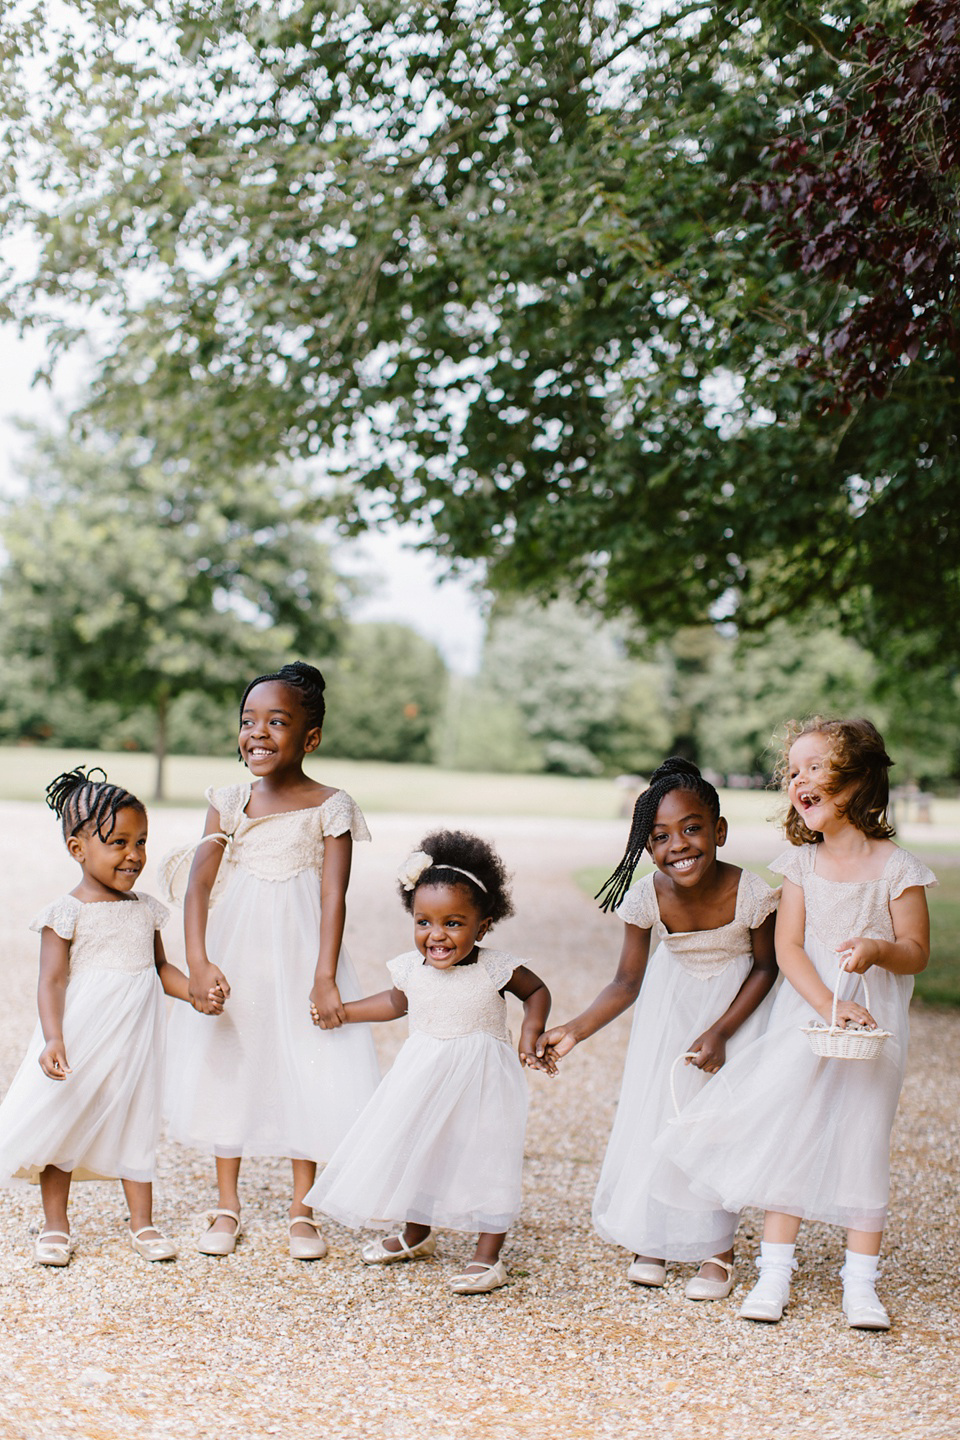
<point>940,982</point>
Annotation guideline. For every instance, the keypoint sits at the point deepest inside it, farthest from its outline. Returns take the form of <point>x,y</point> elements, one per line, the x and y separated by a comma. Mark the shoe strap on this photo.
<point>301,1220</point>
<point>727,1265</point>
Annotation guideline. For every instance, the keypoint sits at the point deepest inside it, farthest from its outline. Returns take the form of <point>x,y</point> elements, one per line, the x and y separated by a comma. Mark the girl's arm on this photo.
<point>712,1044</point>
<point>386,1005</point>
<point>205,978</point>
<point>536,1007</point>
<point>173,980</point>
<point>613,999</point>
<point>798,967</point>
<point>51,993</point>
<point>909,952</point>
<point>325,997</point>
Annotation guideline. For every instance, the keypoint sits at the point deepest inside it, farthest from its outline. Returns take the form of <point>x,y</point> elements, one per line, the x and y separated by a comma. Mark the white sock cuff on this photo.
<point>775,1254</point>
<point>857,1266</point>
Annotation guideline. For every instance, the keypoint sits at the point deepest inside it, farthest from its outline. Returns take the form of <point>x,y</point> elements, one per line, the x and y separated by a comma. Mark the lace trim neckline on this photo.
<point>276,814</point>
<point>712,929</point>
<point>832,880</point>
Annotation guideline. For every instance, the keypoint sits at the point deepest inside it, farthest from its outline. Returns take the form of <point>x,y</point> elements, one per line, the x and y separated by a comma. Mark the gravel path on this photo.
<point>257,1345</point>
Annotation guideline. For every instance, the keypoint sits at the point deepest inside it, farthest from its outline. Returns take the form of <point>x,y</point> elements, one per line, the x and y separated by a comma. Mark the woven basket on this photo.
<point>838,1042</point>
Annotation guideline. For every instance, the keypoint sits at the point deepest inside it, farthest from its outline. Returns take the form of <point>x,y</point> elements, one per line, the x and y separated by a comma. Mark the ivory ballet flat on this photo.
<point>700,1288</point>
<point>479,1282</point>
<point>647,1272</point>
<point>155,1247</point>
<point>53,1247</point>
<point>375,1252</point>
<point>306,1247</point>
<point>220,1242</point>
<point>863,1308</point>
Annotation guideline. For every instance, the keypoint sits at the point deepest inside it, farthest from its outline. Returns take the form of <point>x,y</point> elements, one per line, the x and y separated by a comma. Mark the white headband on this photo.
<point>419,862</point>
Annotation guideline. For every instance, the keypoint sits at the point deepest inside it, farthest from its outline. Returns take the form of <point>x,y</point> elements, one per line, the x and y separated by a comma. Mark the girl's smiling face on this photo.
<point>275,731</point>
<point>446,924</point>
<point>809,774</point>
<point>112,866</point>
<point>685,836</point>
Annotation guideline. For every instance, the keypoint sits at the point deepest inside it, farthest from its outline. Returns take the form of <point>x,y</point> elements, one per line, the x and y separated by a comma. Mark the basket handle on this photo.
<point>841,971</point>
<point>687,1055</point>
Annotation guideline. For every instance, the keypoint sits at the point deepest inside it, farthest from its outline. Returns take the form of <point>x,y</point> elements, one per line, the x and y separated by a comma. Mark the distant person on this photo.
<point>85,1103</point>
<point>701,996</point>
<point>260,1079</point>
<point>441,1142</point>
<point>803,1137</point>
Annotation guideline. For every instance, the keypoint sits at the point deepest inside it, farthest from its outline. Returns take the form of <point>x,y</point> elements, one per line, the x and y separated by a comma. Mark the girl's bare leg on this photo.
<point>139,1196</point>
<point>228,1194</point>
<point>864,1242</point>
<point>304,1174</point>
<point>54,1194</point>
<point>487,1251</point>
<point>779,1229</point>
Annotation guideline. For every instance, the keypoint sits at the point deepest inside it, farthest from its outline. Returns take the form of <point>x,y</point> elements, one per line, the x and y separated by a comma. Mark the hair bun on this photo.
<point>676,765</point>
<point>305,673</point>
<point>60,789</point>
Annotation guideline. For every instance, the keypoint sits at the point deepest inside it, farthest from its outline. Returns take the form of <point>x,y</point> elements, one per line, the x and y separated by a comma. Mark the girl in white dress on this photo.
<point>701,995</point>
<point>799,1135</point>
<point>441,1142</point>
<point>259,1079</point>
<point>85,1103</point>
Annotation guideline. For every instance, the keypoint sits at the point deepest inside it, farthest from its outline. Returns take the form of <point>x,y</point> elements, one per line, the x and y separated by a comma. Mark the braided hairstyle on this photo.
<point>674,774</point>
<point>454,851</point>
<point>306,680</point>
<point>84,802</point>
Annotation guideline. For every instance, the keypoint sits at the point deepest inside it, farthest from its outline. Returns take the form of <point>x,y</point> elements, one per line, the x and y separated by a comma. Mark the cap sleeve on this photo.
<point>159,912</point>
<point>229,801</point>
<point>793,864</point>
<point>401,966</point>
<point>905,871</point>
<point>339,815</point>
<point>60,917</point>
<point>639,905</point>
<point>755,899</point>
<point>498,965</point>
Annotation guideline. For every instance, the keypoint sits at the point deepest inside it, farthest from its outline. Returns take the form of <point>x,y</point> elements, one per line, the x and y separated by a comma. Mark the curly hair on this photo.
<point>454,851</point>
<point>858,759</point>
<point>83,802</point>
<point>674,774</point>
<point>308,683</point>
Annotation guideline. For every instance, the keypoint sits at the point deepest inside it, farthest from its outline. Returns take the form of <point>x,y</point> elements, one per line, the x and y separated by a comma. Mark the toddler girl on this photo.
<point>85,1103</point>
<point>712,966</point>
<point>802,1136</point>
<point>441,1142</point>
<point>275,854</point>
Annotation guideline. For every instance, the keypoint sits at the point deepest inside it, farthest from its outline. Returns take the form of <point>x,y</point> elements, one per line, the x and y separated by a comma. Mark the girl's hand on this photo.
<point>559,1042</point>
<point>326,1007</point>
<point>205,981</point>
<point>848,1013</point>
<point>711,1051</point>
<point>53,1060</point>
<point>527,1051</point>
<point>858,954</point>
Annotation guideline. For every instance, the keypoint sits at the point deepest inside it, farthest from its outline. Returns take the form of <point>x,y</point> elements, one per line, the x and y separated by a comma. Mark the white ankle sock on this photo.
<point>773,1256</point>
<point>859,1269</point>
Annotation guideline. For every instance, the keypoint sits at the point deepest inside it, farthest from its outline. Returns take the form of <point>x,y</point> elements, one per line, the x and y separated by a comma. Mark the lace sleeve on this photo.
<point>159,912</point>
<point>755,899</point>
<point>60,917</point>
<point>340,814</point>
<point>793,864</point>
<point>905,871</point>
<point>229,801</point>
<point>499,966</point>
<point>401,966</point>
<point>639,905</point>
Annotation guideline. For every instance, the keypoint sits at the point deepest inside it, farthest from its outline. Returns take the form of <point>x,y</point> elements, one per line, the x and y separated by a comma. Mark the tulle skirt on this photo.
<point>262,1079</point>
<point>101,1121</point>
<point>440,1143</point>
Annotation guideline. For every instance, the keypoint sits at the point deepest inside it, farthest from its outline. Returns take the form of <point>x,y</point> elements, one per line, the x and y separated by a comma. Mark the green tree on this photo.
<point>132,584</point>
<point>497,258</point>
<point>386,689</point>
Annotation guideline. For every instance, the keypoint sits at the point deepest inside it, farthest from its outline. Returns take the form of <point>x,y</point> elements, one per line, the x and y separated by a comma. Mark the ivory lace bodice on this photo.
<point>458,1001</point>
<point>703,953</point>
<point>839,909</point>
<point>106,934</point>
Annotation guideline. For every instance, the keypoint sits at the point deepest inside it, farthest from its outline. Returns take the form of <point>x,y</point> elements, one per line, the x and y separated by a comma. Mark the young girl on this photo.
<point>711,968</point>
<point>802,1136</point>
<point>441,1142</point>
<point>275,854</point>
<point>85,1103</point>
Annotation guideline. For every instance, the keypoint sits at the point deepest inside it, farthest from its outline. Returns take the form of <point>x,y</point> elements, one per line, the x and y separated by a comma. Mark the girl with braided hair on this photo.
<point>85,1103</point>
<point>701,994</point>
<point>275,856</point>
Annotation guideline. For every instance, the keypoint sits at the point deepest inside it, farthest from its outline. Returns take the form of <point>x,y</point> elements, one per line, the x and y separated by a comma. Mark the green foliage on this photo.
<point>129,584</point>
<point>496,258</point>
<point>386,689</point>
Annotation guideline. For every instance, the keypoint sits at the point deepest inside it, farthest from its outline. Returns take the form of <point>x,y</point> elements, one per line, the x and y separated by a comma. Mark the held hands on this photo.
<point>326,1007</point>
<point>710,1051</point>
<point>208,989</point>
<point>552,1045</point>
<point>53,1060</point>
<point>531,1057</point>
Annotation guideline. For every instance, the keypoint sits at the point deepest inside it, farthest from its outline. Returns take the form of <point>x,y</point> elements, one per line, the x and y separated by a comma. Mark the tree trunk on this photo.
<point>160,744</point>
